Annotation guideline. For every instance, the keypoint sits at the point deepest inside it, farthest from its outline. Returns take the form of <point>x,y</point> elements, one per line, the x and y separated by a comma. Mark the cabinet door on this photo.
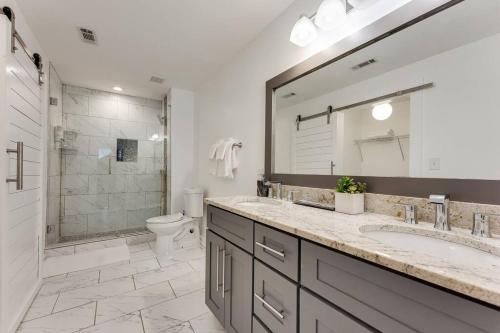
<point>238,290</point>
<point>213,275</point>
<point>318,317</point>
<point>275,300</point>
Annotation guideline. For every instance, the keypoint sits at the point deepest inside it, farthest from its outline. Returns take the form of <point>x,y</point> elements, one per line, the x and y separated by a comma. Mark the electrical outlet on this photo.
<point>434,163</point>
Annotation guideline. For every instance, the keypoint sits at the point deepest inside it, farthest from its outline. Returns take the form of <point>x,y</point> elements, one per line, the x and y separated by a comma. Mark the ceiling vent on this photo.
<point>363,64</point>
<point>289,95</point>
<point>156,79</point>
<point>88,36</point>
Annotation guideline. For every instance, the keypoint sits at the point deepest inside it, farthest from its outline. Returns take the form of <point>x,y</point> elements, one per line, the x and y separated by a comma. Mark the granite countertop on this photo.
<point>345,233</point>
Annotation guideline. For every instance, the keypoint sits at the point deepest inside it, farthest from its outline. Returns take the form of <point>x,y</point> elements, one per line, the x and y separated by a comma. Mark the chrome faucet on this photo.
<point>410,213</point>
<point>481,225</point>
<point>442,202</point>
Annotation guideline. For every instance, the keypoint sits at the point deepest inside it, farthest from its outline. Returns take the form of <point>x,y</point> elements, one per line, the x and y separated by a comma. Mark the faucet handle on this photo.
<point>481,224</point>
<point>410,213</point>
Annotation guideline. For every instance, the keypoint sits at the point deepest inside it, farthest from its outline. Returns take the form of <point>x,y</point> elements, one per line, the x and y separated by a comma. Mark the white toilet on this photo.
<point>167,227</point>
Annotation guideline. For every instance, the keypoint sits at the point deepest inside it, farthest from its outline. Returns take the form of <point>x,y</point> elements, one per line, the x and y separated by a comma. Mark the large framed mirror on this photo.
<point>410,110</point>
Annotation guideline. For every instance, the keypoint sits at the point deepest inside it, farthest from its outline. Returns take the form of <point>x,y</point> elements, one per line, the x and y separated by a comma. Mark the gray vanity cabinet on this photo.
<point>388,301</point>
<point>228,284</point>
<point>213,275</point>
<point>238,290</point>
<point>317,316</point>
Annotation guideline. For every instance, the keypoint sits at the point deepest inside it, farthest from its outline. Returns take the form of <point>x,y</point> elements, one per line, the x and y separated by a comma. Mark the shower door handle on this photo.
<point>19,151</point>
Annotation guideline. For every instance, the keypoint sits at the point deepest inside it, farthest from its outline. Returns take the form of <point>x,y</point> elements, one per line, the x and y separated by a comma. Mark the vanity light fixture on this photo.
<point>382,111</point>
<point>331,14</point>
<point>303,32</point>
<point>116,88</point>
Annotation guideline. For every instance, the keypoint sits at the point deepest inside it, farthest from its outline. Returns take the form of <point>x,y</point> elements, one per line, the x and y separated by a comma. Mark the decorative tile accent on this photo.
<point>460,212</point>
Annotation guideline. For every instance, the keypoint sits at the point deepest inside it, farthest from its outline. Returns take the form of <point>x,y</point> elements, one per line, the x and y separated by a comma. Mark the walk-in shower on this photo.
<point>107,163</point>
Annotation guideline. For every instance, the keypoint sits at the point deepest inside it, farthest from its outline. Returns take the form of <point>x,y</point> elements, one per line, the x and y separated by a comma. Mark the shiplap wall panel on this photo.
<point>313,146</point>
<point>24,216</point>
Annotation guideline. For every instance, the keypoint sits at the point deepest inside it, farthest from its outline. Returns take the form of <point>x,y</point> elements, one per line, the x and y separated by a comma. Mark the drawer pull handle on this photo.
<point>279,314</point>
<point>223,273</point>
<point>265,247</point>
<point>217,270</point>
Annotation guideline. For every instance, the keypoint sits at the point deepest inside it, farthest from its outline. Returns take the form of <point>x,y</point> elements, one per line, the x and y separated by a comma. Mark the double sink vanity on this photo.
<point>274,266</point>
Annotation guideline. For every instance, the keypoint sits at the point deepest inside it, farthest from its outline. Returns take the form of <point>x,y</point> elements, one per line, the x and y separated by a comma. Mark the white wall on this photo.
<point>232,102</point>
<point>182,145</point>
<point>27,281</point>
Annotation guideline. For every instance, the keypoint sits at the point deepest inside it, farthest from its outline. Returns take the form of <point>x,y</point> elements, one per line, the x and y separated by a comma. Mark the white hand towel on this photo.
<point>229,158</point>
<point>212,157</point>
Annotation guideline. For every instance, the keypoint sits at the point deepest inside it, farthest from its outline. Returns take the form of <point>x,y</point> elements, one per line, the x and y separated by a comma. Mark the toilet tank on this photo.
<point>193,202</point>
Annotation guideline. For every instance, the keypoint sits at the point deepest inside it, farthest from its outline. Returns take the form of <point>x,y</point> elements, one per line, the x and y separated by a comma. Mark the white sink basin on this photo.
<point>262,202</point>
<point>450,252</point>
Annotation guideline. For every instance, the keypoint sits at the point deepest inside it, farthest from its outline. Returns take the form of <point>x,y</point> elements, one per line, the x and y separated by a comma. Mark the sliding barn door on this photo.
<point>20,198</point>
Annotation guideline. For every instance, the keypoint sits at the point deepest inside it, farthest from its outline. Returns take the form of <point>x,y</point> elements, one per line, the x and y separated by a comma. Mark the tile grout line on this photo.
<point>54,306</point>
<point>95,313</point>
<point>133,281</point>
<point>170,284</point>
<point>54,313</point>
<point>142,322</point>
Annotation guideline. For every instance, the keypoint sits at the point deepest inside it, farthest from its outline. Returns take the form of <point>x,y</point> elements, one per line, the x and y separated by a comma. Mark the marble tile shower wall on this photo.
<point>460,212</point>
<point>100,194</point>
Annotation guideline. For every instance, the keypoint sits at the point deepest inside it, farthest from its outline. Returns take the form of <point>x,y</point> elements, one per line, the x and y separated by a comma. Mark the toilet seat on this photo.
<point>165,219</point>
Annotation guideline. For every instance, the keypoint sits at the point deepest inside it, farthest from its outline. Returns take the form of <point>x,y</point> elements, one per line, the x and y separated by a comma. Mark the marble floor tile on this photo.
<point>130,323</point>
<point>128,269</point>
<point>206,323</point>
<point>41,306</point>
<point>61,322</point>
<point>96,292</point>
<point>162,274</point>
<point>139,247</point>
<point>179,309</point>
<point>182,328</point>
<point>129,302</point>
<point>142,255</point>
<point>182,255</point>
<point>188,283</point>
<point>198,264</point>
<point>53,286</point>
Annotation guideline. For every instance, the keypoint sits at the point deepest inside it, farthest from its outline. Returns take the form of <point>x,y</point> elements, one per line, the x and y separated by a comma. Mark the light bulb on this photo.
<point>382,111</point>
<point>331,13</point>
<point>303,32</point>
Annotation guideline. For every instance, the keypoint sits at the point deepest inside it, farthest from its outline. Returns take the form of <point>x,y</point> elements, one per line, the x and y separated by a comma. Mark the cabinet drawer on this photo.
<point>236,229</point>
<point>278,250</point>
<point>388,301</point>
<point>317,316</point>
<point>275,300</point>
<point>258,327</point>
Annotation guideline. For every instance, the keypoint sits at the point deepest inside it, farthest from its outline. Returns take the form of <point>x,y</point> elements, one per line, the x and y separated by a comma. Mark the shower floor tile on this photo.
<point>135,297</point>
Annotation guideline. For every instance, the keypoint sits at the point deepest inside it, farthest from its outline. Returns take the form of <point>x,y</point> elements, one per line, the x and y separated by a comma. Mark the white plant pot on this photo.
<point>350,203</point>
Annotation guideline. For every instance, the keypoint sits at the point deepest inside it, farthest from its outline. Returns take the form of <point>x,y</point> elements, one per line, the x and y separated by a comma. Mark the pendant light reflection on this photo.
<point>382,111</point>
<point>331,14</point>
<point>303,32</point>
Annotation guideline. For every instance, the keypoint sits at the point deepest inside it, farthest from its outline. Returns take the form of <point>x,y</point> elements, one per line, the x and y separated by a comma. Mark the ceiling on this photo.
<point>183,41</point>
<point>461,24</point>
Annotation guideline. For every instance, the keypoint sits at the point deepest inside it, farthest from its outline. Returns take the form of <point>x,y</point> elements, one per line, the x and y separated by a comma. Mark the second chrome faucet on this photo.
<point>442,202</point>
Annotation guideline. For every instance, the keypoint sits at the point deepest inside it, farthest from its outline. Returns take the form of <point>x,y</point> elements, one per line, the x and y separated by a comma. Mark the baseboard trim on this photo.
<point>20,316</point>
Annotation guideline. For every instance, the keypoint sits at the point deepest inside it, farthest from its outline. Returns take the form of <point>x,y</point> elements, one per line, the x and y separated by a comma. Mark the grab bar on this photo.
<point>19,151</point>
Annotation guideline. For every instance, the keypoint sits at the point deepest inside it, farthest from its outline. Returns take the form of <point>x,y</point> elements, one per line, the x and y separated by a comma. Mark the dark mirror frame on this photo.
<point>467,190</point>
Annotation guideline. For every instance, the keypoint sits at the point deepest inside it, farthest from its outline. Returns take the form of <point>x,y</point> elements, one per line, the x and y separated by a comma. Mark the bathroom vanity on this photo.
<point>272,266</point>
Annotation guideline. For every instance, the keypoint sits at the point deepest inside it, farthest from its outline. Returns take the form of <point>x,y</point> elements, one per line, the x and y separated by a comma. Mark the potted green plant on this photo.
<point>350,196</point>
